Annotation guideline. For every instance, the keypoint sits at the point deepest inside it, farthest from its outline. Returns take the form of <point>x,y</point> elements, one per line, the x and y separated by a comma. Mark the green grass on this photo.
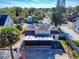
<point>76,42</point>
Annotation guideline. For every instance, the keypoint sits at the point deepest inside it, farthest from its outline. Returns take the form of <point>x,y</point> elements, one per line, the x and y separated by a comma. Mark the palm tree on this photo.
<point>11,42</point>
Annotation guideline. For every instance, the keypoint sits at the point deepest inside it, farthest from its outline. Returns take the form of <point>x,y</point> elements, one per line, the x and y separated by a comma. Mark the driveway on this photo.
<point>71,33</point>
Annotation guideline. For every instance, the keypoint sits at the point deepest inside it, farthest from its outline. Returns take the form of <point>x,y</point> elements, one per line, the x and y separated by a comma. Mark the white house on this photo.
<point>42,30</point>
<point>5,20</point>
<point>76,25</point>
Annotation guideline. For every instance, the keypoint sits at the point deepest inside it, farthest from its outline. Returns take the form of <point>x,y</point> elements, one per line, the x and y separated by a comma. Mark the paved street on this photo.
<point>71,33</point>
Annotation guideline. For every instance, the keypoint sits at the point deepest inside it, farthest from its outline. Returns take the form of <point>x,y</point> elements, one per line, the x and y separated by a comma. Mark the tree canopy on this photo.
<point>8,35</point>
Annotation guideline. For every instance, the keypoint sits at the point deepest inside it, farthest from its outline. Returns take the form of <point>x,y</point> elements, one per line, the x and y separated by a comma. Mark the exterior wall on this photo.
<point>5,53</point>
<point>9,22</point>
<point>30,27</point>
<point>61,35</point>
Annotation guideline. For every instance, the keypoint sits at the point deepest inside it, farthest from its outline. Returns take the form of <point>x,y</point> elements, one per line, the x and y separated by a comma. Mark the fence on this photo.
<point>5,54</point>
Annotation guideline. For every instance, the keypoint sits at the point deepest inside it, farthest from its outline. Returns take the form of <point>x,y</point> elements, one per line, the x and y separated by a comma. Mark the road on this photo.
<point>71,33</point>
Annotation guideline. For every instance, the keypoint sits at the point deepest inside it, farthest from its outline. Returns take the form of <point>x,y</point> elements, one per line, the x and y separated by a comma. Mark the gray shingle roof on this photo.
<point>3,19</point>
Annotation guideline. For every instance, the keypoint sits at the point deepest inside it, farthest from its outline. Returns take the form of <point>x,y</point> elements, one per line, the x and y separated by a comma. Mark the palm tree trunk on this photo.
<point>11,52</point>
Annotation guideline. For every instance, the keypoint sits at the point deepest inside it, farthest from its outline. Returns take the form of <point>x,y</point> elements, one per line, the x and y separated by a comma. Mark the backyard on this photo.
<point>44,50</point>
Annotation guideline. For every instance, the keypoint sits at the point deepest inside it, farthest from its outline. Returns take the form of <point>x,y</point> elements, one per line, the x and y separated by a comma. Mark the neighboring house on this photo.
<point>47,20</point>
<point>31,19</point>
<point>72,17</point>
<point>74,22</point>
<point>76,25</point>
<point>28,20</point>
<point>5,20</point>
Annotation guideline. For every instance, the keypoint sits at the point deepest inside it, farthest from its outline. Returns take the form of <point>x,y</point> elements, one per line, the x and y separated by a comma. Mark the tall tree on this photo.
<point>77,8</point>
<point>57,19</point>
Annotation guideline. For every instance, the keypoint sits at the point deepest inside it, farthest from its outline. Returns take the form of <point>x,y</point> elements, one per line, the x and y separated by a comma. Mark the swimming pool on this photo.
<point>42,49</point>
<point>41,53</point>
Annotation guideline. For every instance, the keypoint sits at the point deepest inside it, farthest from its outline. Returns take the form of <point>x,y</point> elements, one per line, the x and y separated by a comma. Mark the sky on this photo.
<point>35,3</point>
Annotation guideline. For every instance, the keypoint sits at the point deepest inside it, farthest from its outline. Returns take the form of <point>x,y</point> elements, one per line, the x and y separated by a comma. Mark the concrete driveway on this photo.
<point>71,33</point>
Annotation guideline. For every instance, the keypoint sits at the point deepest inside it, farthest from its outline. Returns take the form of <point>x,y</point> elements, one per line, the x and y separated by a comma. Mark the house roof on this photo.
<point>2,19</point>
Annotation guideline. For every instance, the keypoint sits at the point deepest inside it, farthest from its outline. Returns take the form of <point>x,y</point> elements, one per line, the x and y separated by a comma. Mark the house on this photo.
<point>76,25</point>
<point>29,29</point>
<point>74,22</point>
<point>31,19</point>
<point>28,20</point>
<point>42,30</point>
<point>5,20</point>
<point>72,17</point>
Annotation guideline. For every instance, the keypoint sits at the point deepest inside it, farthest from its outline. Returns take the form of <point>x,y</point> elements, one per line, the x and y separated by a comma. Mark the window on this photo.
<point>53,36</point>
